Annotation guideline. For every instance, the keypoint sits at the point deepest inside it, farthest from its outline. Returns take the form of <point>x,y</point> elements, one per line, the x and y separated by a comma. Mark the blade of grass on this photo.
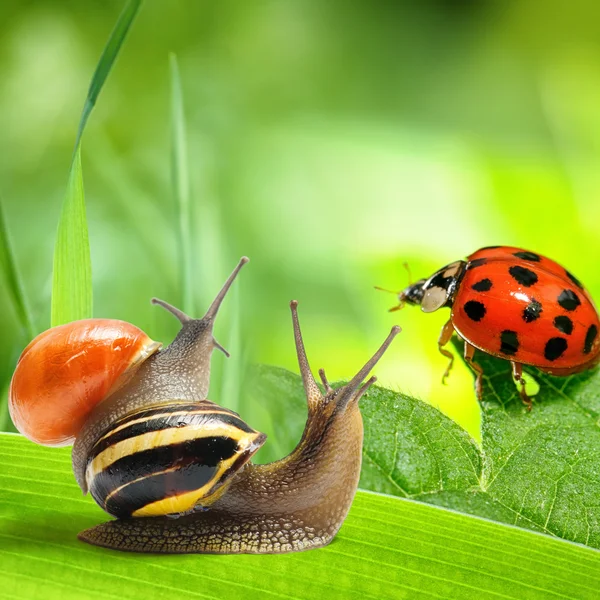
<point>107,59</point>
<point>72,276</point>
<point>13,280</point>
<point>6,423</point>
<point>72,285</point>
<point>181,185</point>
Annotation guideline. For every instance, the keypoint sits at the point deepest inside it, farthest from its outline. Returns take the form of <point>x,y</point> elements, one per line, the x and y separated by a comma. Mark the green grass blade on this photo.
<point>388,548</point>
<point>72,276</point>
<point>181,185</point>
<point>109,55</point>
<point>72,283</point>
<point>6,423</point>
<point>13,280</point>
<point>4,415</point>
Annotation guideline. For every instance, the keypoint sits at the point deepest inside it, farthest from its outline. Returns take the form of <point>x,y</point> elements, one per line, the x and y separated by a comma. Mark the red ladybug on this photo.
<point>516,305</point>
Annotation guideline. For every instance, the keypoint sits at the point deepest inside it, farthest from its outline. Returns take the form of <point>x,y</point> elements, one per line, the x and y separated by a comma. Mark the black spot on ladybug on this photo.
<point>564,324</point>
<point>523,275</point>
<point>532,311</point>
<point>569,300</point>
<point>528,256</point>
<point>574,279</point>
<point>590,337</point>
<point>475,310</point>
<point>509,342</point>
<point>485,285</point>
<point>554,348</point>
<point>473,264</point>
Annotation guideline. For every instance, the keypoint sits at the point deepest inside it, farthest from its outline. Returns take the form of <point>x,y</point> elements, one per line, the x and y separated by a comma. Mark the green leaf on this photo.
<point>181,185</point>
<point>387,548</point>
<point>14,285</point>
<point>543,465</point>
<point>72,277</point>
<point>538,470</point>
<point>414,451</point>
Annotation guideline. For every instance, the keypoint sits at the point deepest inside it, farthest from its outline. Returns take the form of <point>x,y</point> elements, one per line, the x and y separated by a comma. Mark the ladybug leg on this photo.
<point>469,354</point>
<point>445,335</point>
<point>517,371</point>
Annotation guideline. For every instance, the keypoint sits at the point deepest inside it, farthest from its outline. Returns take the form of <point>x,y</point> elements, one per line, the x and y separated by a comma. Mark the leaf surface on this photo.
<point>387,548</point>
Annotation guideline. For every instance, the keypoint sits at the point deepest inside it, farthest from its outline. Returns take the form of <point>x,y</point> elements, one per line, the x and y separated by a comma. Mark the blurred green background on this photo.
<point>328,141</point>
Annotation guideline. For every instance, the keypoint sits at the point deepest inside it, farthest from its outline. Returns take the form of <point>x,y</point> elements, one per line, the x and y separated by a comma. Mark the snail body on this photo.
<point>156,448</point>
<point>296,503</point>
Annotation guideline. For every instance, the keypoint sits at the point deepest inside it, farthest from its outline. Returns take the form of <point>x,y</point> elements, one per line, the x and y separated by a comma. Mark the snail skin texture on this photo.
<point>175,467</point>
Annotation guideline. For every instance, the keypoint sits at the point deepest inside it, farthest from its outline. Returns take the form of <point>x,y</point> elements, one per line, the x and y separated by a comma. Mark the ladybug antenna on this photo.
<point>410,279</point>
<point>386,290</point>
<point>399,294</point>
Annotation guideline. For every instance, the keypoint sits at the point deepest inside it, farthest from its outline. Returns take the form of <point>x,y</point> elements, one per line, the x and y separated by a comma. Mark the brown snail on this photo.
<point>175,467</point>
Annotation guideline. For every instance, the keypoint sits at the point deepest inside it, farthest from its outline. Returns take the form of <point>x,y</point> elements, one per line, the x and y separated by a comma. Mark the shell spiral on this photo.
<point>67,370</point>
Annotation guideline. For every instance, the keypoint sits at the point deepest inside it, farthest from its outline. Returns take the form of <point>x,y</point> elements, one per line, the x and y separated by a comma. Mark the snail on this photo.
<point>174,467</point>
<point>86,381</point>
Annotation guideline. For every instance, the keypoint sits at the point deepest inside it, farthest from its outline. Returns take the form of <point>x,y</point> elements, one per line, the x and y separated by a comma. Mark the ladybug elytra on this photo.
<point>516,305</point>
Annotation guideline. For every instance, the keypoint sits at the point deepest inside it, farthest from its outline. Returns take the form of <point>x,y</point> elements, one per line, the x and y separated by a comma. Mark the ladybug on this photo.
<point>516,305</point>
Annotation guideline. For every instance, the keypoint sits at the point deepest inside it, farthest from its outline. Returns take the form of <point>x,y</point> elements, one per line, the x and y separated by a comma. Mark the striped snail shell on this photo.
<point>169,459</point>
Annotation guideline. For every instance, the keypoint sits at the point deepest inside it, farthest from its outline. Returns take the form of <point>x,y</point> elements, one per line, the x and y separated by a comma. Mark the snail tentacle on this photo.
<point>181,316</point>
<point>211,313</point>
<point>313,393</point>
<point>352,393</point>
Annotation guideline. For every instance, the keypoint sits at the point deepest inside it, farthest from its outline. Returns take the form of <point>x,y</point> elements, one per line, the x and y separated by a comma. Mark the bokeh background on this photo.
<point>329,141</point>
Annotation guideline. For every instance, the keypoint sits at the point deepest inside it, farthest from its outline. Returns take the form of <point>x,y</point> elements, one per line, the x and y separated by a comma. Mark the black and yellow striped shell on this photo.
<point>169,459</point>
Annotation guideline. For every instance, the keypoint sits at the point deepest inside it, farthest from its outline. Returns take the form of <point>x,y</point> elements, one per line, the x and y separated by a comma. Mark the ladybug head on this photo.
<point>413,294</point>
<point>433,293</point>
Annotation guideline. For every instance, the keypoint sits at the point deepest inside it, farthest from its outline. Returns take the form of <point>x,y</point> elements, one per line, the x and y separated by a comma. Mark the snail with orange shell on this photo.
<point>171,465</point>
<point>516,305</point>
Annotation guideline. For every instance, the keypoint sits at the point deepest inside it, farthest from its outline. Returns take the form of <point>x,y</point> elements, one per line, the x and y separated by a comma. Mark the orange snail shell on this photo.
<point>67,370</point>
